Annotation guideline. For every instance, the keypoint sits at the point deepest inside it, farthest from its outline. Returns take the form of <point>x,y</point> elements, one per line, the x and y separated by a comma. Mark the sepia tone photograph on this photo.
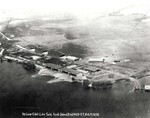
<point>75,59</point>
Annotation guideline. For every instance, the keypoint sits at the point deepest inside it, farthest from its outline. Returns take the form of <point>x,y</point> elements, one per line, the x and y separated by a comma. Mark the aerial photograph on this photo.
<point>75,59</point>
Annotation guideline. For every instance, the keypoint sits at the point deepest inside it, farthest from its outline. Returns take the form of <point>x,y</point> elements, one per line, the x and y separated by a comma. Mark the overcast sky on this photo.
<point>79,8</point>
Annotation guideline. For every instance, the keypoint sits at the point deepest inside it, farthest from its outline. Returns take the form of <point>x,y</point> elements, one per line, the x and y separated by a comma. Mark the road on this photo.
<point>135,81</point>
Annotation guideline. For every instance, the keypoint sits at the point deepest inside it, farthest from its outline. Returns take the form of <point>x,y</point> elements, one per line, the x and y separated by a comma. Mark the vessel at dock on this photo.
<point>101,84</point>
<point>97,84</point>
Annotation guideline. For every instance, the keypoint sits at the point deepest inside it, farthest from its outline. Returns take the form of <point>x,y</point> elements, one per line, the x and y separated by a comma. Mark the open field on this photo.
<point>101,37</point>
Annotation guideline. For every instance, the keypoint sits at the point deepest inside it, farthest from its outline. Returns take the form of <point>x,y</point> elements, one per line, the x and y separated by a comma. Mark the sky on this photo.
<point>80,8</point>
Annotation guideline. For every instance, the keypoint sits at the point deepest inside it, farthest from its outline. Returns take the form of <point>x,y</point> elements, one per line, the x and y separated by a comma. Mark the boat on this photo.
<point>101,84</point>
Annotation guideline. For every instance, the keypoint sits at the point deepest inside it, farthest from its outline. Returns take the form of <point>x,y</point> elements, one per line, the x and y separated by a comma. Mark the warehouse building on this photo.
<point>91,69</point>
<point>53,67</point>
<point>72,72</point>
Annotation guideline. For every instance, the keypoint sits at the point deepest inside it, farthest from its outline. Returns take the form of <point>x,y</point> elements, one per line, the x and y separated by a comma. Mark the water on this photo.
<point>19,92</point>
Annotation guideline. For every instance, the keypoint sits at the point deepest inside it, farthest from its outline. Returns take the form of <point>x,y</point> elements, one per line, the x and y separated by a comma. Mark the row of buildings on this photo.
<point>60,64</point>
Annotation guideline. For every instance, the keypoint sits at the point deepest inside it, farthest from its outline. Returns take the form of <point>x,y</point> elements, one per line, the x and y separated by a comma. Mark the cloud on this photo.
<point>78,7</point>
<point>84,10</point>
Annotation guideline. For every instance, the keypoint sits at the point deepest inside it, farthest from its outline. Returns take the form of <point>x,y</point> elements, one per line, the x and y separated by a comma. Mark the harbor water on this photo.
<point>19,92</point>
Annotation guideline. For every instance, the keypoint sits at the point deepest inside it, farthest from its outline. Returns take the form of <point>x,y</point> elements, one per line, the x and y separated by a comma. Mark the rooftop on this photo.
<point>69,57</point>
<point>91,68</point>
<point>71,71</point>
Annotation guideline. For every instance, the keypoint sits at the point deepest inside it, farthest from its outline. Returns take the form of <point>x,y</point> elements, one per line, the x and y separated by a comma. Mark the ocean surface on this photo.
<point>20,93</point>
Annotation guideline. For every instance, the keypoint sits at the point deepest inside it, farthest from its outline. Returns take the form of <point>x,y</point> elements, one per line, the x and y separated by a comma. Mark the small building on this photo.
<point>45,71</point>
<point>111,75</point>
<point>53,67</point>
<point>89,76</point>
<point>147,87</point>
<point>126,60</point>
<point>82,71</point>
<point>12,36</point>
<point>45,53</point>
<point>31,46</point>
<point>117,61</point>
<point>72,66</point>
<point>91,69</point>
<point>72,72</point>
<point>91,60</point>
<point>69,58</point>
<point>27,57</point>
<point>35,57</point>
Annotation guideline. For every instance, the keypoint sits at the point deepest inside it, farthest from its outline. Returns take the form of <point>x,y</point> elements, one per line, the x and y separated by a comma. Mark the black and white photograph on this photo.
<point>74,59</point>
